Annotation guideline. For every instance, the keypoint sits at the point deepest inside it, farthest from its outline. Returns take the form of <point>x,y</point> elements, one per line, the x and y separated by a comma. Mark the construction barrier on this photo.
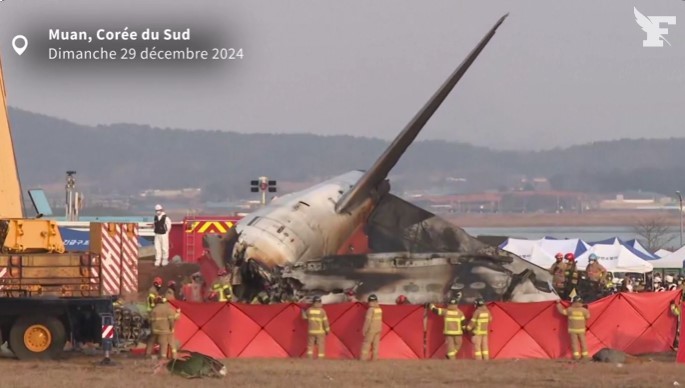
<point>117,245</point>
<point>633,323</point>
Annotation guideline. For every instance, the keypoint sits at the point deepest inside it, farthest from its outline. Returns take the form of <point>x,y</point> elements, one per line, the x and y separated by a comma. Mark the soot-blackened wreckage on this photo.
<point>290,246</point>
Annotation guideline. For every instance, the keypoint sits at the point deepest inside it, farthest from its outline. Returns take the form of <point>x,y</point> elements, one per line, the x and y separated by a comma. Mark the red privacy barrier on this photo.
<point>634,323</point>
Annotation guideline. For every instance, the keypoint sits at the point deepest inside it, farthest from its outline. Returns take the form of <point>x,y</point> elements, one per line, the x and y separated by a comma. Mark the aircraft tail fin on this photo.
<point>380,169</point>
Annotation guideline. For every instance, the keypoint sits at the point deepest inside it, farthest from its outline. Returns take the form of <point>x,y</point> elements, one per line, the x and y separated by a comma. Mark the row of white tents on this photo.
<point>614,254</point>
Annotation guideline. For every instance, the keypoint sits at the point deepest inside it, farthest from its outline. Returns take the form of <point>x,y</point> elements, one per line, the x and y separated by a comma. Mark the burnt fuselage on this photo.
<point>301,226</point>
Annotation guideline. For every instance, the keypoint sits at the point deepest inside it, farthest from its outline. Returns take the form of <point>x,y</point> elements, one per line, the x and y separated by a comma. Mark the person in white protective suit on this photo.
<point>162,227</point>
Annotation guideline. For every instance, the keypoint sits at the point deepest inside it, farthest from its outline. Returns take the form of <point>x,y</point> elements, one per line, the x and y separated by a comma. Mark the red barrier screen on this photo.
<point>633,323</point>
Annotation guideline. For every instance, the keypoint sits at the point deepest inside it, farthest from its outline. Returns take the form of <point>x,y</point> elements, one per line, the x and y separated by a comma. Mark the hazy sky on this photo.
<point>555,74</point>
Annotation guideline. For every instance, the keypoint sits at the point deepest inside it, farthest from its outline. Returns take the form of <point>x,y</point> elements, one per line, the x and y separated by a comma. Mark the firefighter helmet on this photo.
<point>157,282</point>
<point>570,257</point>
<point>559,256</point>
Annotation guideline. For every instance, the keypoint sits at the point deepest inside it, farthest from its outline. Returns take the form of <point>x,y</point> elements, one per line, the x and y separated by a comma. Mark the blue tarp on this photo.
<point>79,241</point>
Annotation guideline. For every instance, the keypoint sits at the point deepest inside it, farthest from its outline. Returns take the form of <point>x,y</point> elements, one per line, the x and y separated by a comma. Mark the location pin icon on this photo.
<point>20,39</point>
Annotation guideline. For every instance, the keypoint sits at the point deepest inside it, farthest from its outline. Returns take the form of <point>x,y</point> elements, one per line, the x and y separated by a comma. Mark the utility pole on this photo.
<point>70,196</point>
<point>263,185</point>
<point>680,199</point>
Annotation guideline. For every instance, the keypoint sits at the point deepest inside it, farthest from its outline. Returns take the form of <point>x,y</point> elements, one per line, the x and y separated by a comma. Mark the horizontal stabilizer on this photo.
<point>380,169</point>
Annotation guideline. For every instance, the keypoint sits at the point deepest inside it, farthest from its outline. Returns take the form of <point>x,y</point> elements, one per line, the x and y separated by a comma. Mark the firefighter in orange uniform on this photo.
<point>454,322</point>
<point>577,322</point>
<point>557,271</point>
<point>571,276</point>
<point>595,272</point>
<point>162,320</point>
<point>153,293</point>
<point>222,287</point>
<point>373,325</point>
<point>318,328</point>
<point>479,325</point>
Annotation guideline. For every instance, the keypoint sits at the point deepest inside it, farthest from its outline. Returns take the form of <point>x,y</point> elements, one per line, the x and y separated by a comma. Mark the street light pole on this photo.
<point>680,199</point>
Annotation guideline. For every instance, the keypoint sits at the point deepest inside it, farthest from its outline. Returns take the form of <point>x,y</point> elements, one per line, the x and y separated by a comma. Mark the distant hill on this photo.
<point>128,158</point>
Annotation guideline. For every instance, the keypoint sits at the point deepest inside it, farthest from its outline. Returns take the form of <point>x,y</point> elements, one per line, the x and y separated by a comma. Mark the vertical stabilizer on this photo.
<point>380,169</point>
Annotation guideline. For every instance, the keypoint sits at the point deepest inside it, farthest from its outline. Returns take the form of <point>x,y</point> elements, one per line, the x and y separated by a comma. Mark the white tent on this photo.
<point>662,252</point>
<point>532,251</point>
<point>647,255</point>
<point>573,245</point>
<point>672,260</point>
<point>615,258</point>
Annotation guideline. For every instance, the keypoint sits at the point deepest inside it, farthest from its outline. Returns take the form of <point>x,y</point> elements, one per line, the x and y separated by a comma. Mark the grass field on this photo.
<point>81,372</point>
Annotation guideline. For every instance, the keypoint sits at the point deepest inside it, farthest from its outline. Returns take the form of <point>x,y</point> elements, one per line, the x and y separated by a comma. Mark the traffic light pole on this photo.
<point>263,185</point>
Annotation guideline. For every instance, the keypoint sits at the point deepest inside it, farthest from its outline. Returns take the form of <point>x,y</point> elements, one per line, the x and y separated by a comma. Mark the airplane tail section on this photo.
<point>380,169</point>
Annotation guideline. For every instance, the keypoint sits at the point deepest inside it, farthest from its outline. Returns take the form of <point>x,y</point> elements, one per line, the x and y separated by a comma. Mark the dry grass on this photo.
<point>135,373</point>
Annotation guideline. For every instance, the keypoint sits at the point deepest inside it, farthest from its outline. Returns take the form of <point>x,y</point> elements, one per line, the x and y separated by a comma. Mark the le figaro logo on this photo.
<point>652,26</point>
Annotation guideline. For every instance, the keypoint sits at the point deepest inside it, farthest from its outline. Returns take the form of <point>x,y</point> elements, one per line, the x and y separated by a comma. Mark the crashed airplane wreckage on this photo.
<point>291,246</point>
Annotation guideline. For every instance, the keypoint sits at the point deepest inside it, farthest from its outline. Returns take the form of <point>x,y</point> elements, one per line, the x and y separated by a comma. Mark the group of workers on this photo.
<point>455,326</point>
<point>163,316</point>
<point>567,277</point>
<point>596,282</point>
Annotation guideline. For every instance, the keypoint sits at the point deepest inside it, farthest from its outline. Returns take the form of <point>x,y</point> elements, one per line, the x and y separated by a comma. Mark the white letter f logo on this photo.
<point>650,25</point>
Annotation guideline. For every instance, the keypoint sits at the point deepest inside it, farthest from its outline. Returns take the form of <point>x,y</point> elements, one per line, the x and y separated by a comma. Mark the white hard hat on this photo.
<point>158,207</point>
<point>669,278</point>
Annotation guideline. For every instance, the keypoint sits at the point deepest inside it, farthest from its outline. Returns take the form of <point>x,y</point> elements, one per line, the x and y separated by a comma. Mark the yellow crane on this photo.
<point>17,233</point>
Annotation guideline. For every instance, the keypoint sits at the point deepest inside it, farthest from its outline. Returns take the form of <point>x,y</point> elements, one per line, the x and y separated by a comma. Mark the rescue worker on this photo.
<point>153,293</point>
<point>675,310</point>
<point>595,272</point>
<point>401,300</point>
<point>318,328</point>
<point>557,270</point>
<point>577,322</point>
<point>373,325</point>
<point>170,293</point>
<point>571,276</point>
<point>479,325</point>
<point>222,286</point>
<point>162,225</point>
<point>192,291</point>
<point>162,320</point>
<point>454,323</point>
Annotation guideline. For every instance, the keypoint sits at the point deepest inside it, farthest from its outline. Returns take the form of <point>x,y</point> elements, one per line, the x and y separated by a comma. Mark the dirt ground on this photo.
<point>137,372</point>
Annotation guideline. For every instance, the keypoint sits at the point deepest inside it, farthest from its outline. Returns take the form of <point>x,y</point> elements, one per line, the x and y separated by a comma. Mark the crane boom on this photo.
<point>10,187</point>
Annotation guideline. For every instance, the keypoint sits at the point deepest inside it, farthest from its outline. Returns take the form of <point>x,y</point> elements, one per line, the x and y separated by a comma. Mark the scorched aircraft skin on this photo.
<point>289,247</point>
